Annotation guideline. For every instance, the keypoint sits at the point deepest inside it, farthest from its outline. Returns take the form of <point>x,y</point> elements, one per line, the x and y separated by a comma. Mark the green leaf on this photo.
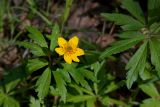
<point>129,34</point>
<point>88,74</point>
<point>134,8</point>
<point>11,85</point>
<point>110,101</point>
<point>81,90</point>
<point>54,92</point>
<point>150,103</point>
<point>60,83</point>
<point>66,76</point>
<point>80,98</point>
<point>54,37</point>
<point>146,75</point>
<point>67,10</point>
<point>34,102</point>
<point>97,66</point>
<point>153,9</point>
<point>155,56</point>
<point>121,46</point>
<point>10,102</point>
<point>35,64</point>
<point>153,4</point>
<point>122,19</point>
<point>155,27</point>
<point>79,78</point>
<point>91,102</point>
<point>2,97</point>
<point>35,49</point>
<point>37,36</point>
<point>132,27</point>
<point>149,89</point>
<point>136,64</point>
<point>12,78</point>
<point>3,8</point>
<point>111,87</point>
<point>43,84</point>
<point>76,74</point>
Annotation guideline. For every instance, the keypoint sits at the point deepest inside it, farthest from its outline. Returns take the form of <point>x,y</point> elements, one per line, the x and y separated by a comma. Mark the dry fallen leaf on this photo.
<point>78,19</point>
<point>105,40</point>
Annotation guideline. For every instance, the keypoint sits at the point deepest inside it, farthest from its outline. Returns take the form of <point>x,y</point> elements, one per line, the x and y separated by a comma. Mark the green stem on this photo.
<point>41,15</point>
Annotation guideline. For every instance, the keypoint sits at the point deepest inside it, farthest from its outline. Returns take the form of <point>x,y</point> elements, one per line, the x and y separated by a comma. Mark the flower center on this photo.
<point>69,49</point>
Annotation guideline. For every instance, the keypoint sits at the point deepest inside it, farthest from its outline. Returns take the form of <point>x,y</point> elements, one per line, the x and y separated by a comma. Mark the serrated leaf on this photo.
<point>88,74</point>
<point>146,75</point>
<point>136,57</point>
<point>76,74</point>
<point>111,87</point>
<point>60,83</point>
<point>11,85</point>
<point>35,64</point>
<point>54,92</point>
<point>107,101</point>
<point>10,102</point>
<point>37,36</point>
<point>43,84</point>
<point>34,102</point>
<point>35,49</point>
<point>54,37</point>
<point>136,64</point>
<point>155,56</point>
<point>80,98</point>
<point>66,76</point>
<point>149,89</point>
<point>79,78</point>
<point>97,66</point>
<point>134,8</point>
<point>151,102</point>
<point>122,19</point>
<point>81,90</point>
<point>120,46</point>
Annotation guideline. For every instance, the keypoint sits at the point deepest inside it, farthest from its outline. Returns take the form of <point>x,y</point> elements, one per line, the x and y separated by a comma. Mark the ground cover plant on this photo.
<point>77,53</point>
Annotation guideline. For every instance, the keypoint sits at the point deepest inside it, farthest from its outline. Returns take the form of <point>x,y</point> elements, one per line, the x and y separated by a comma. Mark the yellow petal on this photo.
<point>79,52</point>
<point>74,58</point>
<point>74,41</point>
<point>61,41</point>
<point>68,58</point>
<point>60,51</point>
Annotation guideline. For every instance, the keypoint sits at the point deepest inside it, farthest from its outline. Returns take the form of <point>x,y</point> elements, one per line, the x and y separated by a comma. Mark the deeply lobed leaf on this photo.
<point>43,84</point>
<point>155,56</point>
<point>120,46</point>
<point>37,36</point>
<point>136,64</point>
<point>134,8</point>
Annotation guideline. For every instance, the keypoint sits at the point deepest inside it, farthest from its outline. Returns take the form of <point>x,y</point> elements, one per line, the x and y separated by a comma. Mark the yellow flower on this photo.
<point>69,49</point>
